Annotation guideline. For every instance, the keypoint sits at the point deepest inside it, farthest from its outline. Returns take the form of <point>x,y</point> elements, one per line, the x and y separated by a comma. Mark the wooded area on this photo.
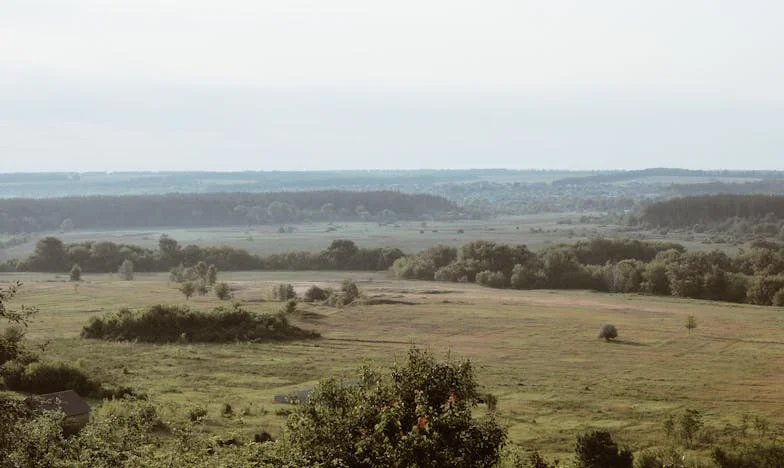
<point>19,215</point>
<point>713,209</point>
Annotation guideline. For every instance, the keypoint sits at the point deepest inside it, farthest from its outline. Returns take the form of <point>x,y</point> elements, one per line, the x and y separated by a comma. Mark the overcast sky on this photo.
<point>363,84</point>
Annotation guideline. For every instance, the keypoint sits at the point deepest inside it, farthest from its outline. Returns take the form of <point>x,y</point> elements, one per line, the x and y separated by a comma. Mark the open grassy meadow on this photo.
<point>536,231</point>
<point>537,351</point>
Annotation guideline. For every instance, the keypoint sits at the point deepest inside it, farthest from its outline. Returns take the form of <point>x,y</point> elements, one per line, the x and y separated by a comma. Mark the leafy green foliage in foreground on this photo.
<point>419,416</point>
<point>167,324</point>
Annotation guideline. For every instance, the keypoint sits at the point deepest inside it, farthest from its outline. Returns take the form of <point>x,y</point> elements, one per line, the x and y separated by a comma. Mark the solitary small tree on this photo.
<point>608,332</point>
<point>201,269</point>
<point>350,289</point>
<point>222,291</point>
<point>283,292</point>
<point>690,422</point>
<point>126,270</point>
<point>212,275</point>
<point>290,307</point>
<point>669,426</point>
<point>67,225</point>
<point>691,323</point>
<point>187,289</point>
<point>76,273</point>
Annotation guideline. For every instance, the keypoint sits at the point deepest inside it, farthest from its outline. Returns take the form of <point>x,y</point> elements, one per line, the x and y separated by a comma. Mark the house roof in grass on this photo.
<point>68,402</point>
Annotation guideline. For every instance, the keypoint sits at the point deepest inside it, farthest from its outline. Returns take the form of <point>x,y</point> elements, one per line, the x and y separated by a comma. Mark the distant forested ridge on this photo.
<point>620,176</point>
<point>710,210</point>
<point>215,209</point>
<point>62,184</point>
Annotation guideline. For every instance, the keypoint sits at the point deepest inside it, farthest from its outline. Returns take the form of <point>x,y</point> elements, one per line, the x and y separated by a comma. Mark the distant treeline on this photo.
<point>620,176</point>
<point>755,276</point>
<point>759,187</point>
<point>60,184</point>
<point>52,255</point>
<point>710,210</point>
<point>19,215</point>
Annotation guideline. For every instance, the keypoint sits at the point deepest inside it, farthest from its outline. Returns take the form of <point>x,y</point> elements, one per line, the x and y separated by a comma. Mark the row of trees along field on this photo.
<point>52,255</point>
<point>755,275</point>
<point>19,215</point>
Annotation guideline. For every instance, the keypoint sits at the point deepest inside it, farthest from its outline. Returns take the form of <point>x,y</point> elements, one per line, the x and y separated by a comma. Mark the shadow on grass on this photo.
<point>627,343</point>
<point>309,315</point>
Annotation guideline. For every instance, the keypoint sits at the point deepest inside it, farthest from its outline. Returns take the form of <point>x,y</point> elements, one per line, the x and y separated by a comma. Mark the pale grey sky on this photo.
<point>344,84</point>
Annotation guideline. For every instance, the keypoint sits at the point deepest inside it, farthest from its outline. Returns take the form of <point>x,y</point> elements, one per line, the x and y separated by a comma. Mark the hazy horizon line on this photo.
<point>421,169</point>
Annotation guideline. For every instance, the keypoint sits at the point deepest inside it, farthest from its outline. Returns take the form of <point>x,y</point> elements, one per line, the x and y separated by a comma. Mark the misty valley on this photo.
<point>404,318</point>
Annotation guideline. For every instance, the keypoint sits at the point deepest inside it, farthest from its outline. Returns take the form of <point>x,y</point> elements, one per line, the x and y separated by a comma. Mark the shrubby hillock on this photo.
<point>168,324</point>
<point>48,377</point>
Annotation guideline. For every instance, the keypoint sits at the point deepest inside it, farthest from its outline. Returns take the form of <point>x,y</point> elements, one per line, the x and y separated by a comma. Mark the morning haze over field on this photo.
<point>417,234</point>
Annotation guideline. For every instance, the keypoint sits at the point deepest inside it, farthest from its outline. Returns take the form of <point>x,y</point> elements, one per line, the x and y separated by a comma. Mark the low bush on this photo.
<point>598,449</point>
<point>170,324</point>
<point>197,414</point>
<point>347,294</point>
<point>314,294</point>
<point>290,307</point>
<point>754,456</point>
<point>608,332</point>
<point>493,279</point>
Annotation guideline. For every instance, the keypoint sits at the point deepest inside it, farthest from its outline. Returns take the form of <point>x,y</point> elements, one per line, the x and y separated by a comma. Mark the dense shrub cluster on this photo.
<point>754,276</point>
<point>52,255</point>
<point>315,294</point>
<point>168,324</point>
<point>48,377</point>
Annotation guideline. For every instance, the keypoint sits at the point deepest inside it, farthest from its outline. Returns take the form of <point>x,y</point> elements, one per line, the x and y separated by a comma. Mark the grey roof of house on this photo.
<point>68,402</point>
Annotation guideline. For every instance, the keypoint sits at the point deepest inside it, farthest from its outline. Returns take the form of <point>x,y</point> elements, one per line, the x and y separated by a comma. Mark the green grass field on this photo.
<point>265,240</point>
<point>537,351</point>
